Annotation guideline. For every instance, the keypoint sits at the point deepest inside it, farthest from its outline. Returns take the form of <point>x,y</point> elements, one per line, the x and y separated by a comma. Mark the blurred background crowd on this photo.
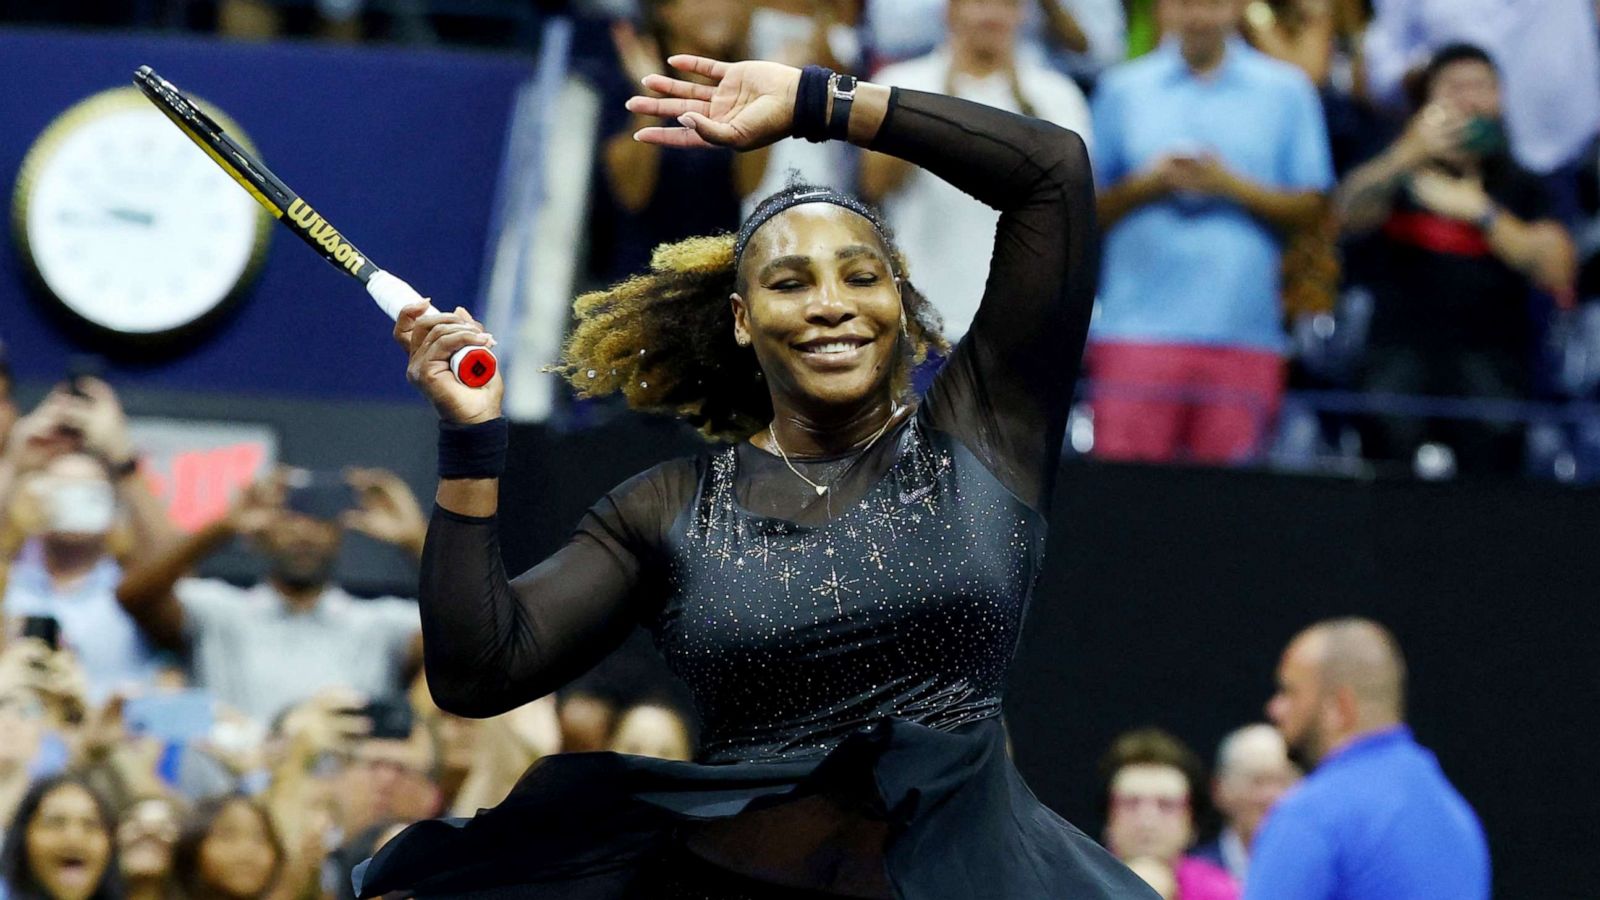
<point>164,735</point>
<point>1340,236</point>
<point>1376,255</point>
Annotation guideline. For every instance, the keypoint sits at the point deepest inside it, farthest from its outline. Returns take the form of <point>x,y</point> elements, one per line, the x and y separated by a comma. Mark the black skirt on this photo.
<point>605,826</point>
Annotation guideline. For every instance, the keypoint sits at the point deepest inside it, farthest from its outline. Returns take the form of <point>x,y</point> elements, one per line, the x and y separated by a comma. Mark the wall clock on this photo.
<point>135,238</point>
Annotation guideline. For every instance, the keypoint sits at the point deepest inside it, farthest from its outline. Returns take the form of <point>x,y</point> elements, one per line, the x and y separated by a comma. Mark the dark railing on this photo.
<point>1315,430</point>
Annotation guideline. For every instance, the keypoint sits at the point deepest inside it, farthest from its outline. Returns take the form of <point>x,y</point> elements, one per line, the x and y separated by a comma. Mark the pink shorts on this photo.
<point>1167,402</point>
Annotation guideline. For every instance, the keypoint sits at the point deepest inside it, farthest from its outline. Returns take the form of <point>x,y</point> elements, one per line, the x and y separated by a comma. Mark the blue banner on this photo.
<point>401,149</point>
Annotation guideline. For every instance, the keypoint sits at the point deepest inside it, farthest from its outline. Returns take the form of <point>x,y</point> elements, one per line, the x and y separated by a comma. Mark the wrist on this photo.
<point>811,104</point>
<point>473,450</point>
<point>1486,218</point>
<point>1405,156</point>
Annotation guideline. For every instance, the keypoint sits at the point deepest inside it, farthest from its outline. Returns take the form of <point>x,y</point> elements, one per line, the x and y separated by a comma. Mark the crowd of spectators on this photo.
<point>1388,200</point>
<point>164,735</point>
<point>1263,167</point>
<point>1295,194</point>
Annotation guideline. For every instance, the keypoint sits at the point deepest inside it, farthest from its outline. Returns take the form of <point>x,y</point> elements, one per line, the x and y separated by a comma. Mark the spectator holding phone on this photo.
<point>1465,234</point>
<point>266,648</point>
<point>24,721</point>
<point>78,509</point>
<point>347,763</point>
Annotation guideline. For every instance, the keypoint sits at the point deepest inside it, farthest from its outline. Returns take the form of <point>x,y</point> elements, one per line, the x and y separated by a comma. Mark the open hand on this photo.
<point>388,511</point>
<point>749,104</point>
<point>257,506</point>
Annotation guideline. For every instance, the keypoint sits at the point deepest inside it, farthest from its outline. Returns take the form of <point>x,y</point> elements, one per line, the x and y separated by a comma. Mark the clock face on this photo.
<point>128,225</point>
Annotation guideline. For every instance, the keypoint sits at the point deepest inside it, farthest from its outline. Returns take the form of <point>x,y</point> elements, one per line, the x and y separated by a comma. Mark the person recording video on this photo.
<point>74,509</point>
<point>265,648</point>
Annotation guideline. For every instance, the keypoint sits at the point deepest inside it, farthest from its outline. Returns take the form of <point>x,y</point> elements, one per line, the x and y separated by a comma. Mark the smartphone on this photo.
<point>44,628</point>
<point>391,719</point>
<point>81,368</point>
<point>1483,135</point>
<point>175,717</point>
<point>321,494</point>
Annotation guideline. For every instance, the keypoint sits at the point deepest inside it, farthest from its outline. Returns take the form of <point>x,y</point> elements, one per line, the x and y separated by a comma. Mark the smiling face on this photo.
<point>821,308</point>
<point>68,845</point>
<point>238,857</point>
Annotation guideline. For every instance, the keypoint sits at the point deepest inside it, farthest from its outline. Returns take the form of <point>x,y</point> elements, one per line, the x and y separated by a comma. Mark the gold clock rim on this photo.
<point>94,106</point>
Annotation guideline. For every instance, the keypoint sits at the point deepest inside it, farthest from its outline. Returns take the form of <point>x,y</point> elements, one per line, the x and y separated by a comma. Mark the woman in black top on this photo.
<point>841,586</point>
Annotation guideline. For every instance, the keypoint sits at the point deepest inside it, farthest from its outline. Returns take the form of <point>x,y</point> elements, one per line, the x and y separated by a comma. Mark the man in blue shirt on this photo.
<point>1208,154</point>
<point>1377,819</point>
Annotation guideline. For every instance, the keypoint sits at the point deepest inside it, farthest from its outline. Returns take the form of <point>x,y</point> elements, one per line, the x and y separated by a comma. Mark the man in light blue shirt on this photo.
<point>1207,154</point>
<point>1377,819</point>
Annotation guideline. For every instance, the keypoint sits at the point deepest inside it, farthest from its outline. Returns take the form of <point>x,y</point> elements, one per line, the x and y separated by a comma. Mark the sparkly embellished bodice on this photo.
<point>796,618</point>
<point>907,603</point>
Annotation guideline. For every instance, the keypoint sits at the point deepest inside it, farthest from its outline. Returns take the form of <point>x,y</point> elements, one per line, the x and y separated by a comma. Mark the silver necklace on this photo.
<point>894,410</point>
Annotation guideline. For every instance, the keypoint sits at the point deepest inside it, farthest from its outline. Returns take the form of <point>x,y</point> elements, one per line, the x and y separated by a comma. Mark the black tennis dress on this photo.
<point>847,651</point>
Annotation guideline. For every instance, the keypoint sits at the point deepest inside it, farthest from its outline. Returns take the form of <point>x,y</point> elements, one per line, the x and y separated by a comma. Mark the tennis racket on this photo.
<point>472,366</point>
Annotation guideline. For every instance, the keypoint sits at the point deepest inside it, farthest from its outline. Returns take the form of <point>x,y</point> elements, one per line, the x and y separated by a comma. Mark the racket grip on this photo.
<point>472,366</point>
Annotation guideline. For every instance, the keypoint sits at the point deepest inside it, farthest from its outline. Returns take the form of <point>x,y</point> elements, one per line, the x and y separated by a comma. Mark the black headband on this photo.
<point>782,203</point>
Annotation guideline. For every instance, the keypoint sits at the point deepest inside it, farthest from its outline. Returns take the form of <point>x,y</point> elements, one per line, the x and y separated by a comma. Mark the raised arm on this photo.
<point>146,591</point>
<point>1007,390</point>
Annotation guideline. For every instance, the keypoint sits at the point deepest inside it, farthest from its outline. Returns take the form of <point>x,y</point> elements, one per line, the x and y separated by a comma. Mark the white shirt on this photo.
<point>1547,52</point>
<point>260,657</point>
<point>114,653</point>
<point>947,236</point>
<point>898,29</point>
<point>785,37</point>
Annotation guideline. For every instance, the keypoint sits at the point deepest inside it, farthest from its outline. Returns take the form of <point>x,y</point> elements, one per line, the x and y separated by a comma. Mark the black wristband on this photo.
<point>811,104</point>
<point>473,451</point>
<point>843,88</point>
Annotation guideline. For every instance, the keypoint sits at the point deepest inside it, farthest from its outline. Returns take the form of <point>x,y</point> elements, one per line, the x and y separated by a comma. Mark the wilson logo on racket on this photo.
<point>318,229</point>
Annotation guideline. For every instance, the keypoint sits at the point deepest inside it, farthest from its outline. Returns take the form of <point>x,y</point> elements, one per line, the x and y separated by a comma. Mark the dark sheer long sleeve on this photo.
<point>492,643</point>
<point>1007,388</point>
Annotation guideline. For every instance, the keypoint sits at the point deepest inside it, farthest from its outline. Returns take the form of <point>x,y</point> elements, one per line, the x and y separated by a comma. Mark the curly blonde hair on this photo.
<point>664,339</point>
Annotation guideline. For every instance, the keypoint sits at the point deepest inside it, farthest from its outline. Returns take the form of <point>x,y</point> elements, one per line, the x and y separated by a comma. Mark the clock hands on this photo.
<point>132,216</point>
<point>115,215</point>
